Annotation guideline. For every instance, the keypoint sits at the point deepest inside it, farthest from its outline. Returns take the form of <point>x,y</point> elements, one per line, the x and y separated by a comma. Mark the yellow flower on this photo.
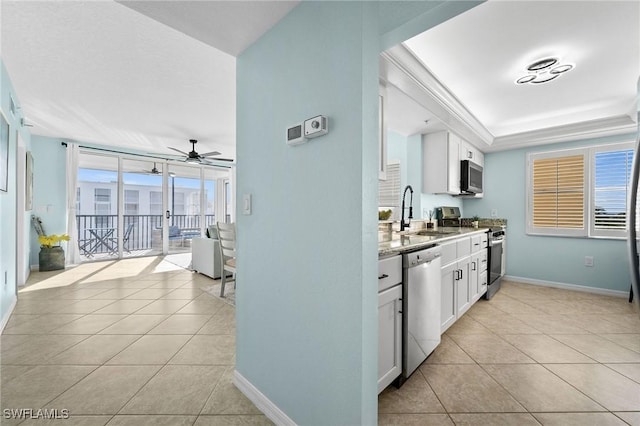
<point>53,240</point>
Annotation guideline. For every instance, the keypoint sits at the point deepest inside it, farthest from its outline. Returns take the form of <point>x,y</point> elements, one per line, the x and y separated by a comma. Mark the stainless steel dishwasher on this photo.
<point>420,307</point>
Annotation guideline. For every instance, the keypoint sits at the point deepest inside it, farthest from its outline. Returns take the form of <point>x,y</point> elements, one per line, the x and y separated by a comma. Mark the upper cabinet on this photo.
<point>441,156</point>
<point>471,153</point>
<point>382,134</point>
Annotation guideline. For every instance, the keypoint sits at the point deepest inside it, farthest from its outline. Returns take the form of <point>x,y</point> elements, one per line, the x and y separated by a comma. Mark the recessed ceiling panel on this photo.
<point>480,54</point>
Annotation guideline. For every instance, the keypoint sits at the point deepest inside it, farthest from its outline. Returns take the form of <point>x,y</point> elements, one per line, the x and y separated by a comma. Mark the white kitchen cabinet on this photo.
<point>456,290</point>
<point>464,276</point>
<point>478,266</point>
<point>389,320</point>
<point>463,289</point>
<point>441,156</point>
<point>474,277</point>
<point>471,153</point>
<point>448,307</point>
<point>389,336</point>
<point>441,163</point>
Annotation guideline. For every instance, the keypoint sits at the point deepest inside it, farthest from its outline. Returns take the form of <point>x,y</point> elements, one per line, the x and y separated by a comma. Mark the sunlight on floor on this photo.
<point>110,270</point>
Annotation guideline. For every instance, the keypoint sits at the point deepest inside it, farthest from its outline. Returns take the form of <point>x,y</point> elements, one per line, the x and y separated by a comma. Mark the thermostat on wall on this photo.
<point>316,126</point>
<point>294,135</point>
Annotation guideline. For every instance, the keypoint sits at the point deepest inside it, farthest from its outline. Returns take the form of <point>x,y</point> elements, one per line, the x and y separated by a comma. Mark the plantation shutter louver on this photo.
<point>612,175</point>
<point>389,189</point>
<point>559,192</point>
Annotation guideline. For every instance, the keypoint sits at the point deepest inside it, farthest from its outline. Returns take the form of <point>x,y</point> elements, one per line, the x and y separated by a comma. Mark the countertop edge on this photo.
<point>388,252</point>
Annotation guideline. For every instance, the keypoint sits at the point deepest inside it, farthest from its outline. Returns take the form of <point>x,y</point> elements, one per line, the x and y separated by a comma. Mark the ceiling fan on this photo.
<point>153,171</point>
<point>194,157</point>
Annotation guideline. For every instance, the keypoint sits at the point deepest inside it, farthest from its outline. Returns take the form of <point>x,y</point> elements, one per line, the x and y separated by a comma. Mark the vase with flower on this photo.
<point>51,254</point>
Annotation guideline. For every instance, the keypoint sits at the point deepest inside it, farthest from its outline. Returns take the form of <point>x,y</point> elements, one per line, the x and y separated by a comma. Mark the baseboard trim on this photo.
<point>5,320</point>
<point>263,403</point>
<point>567,286</point>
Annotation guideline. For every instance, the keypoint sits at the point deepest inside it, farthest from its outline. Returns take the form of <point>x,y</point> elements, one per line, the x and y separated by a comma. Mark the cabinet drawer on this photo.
<point>389,272</point>
<point>449,252</point>
<point>484,240</point>
<point>483,260</point>
<point>464,247</point>
<point>476,243</point>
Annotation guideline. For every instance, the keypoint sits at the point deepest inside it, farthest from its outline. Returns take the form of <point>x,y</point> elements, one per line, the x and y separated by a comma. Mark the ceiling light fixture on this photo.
<point>544,70</point>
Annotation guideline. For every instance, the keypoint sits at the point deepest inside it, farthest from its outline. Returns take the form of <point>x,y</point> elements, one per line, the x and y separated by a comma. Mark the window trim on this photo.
<point>596,233</point>
<point>589,197</point>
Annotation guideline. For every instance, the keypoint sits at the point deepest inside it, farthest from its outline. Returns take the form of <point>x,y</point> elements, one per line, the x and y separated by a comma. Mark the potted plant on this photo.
<point>475,221</point>
<point>51,254</point>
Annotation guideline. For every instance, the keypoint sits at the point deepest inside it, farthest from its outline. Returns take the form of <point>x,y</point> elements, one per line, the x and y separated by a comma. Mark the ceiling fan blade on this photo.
<point>210,154</point>
<point>175,149</point>
<point>214,161</point>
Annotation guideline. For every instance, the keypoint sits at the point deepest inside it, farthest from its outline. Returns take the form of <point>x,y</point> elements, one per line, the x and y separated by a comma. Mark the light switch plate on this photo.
<point>246,204</point>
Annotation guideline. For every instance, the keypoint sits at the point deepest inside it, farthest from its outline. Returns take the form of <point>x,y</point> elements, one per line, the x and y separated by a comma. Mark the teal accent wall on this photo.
<point>49,189</point>
<point>408,151</point>
<point>8,200</point>
<point>555,259</point>
<point>307,255</point>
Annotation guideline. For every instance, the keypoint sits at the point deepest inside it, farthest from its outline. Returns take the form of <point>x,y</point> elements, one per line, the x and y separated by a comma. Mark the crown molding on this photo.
<point>610,126</point>
<point>402,69</point>
<point>399,67</point>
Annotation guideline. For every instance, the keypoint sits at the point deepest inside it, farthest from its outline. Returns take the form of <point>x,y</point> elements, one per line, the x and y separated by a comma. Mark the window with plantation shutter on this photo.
<point>389,189</point>
<point>579,192</point>
<point>557,193</point>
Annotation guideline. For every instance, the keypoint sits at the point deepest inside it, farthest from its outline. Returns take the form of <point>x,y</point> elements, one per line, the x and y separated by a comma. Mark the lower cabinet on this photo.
<point>389,336</point>
<point>463,289</point>
<point>448,306</point>
<point>464,276</point>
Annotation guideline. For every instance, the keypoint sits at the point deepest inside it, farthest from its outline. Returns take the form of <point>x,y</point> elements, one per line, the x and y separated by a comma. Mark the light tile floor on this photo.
<point>137,342</point>
<point>130,342</point>
<point>531,355</point>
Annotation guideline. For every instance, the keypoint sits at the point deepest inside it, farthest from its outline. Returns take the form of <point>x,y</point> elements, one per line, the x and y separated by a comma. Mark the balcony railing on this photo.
<point>142,232</point>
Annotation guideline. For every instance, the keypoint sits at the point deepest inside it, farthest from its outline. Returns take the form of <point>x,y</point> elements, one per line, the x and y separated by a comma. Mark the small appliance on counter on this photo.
<point>448,216</point>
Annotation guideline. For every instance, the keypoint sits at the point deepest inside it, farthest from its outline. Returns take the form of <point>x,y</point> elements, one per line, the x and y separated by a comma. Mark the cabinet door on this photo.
<point>453,162</point>
<point>389,336</point>
<point>448,297</point>
<point>474,277</point>
<point>482,284</point>
<point>470,152</point>
<point>463,291</point>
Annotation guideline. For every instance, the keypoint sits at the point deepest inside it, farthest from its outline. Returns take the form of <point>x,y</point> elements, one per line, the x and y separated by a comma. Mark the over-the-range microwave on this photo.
<point>470,177</point>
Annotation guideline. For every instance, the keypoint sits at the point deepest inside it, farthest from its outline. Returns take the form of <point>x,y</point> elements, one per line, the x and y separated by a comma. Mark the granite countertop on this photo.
<point>390,243</point>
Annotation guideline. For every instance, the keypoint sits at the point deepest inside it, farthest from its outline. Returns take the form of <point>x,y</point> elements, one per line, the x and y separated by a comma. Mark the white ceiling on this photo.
<point>151,74</point>
<point>97,71</point>
<point>479,54</point>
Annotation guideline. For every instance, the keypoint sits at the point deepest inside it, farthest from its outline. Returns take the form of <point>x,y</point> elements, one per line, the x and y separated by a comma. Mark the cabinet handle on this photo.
<point>474,266</point>
<point>383,276</point>
<point>461,274</point>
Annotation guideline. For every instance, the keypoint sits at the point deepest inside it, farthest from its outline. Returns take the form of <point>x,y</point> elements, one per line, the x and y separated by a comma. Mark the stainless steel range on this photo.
<point>497,240</point>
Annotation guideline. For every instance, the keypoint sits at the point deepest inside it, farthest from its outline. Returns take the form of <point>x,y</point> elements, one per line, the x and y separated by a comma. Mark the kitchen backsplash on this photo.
<point>484,222</point>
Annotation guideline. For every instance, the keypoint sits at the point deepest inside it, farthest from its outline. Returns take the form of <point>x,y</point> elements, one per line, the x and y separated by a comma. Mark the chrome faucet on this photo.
<point>404,225</point>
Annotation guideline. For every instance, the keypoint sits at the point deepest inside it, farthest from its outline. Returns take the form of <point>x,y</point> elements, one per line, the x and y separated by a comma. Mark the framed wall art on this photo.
<point>28,182</point>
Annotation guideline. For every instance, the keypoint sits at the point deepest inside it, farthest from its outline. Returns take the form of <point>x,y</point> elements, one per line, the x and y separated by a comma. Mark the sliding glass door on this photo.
<point>142,210</point>
<point>97,207</point>
<point>184,207</point>
<point>132,206</point>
